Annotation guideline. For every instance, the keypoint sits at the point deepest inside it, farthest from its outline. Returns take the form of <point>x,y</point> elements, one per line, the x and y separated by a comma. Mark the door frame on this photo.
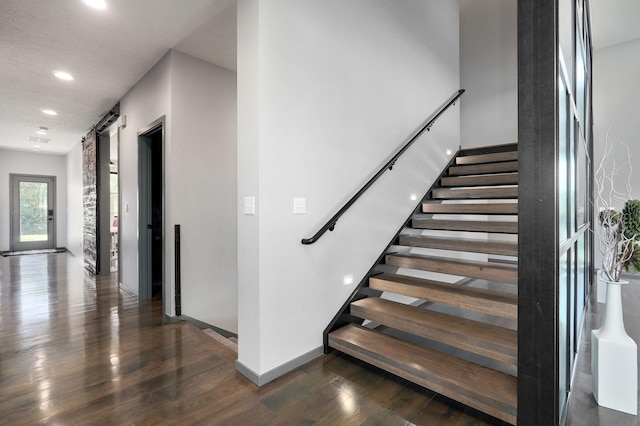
<point>51,180</point>
<point>144,186</point>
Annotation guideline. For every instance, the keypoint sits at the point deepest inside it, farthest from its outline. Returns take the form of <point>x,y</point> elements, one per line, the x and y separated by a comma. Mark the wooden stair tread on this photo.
<point>425,222</point>
<point>502,248</point>
<point>480,180</point>
<point>490,391</point>
<point>487,340</point>
<point>477,169</point>
<point>492,271</point>
<point>479,208</point>
<point>475,299</point>
<point>487,158</point>
<point>475,193</point>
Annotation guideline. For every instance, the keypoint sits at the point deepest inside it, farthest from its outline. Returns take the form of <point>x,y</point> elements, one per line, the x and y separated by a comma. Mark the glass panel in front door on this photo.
<point>34,217</point>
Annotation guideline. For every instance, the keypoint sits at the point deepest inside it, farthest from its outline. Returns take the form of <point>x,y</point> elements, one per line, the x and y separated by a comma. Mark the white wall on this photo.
<point>75,211</point>
<point>326,91</point>
<point>198,100</point>
<point>201,185</point>
<point>248,227</point>
<point>488,72</point>
<point>31,163</point>
<point>146,102</point>
<point>616,89</point>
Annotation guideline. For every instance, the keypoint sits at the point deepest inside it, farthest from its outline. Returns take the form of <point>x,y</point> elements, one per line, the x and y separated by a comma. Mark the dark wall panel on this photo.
<point>538,398</point>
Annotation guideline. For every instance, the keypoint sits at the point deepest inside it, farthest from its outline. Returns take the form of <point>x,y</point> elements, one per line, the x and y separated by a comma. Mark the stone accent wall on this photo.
<point>89,201</point>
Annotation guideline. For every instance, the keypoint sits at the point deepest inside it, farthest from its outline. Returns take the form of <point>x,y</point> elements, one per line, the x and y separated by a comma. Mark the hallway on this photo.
<point>76,350</point>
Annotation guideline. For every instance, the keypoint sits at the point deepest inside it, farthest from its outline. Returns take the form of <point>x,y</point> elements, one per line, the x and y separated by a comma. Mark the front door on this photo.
<point>33,218</point>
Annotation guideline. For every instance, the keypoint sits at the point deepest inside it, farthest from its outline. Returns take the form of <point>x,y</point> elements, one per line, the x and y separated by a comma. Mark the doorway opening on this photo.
<point>33,212</point>
<point>151,211</point>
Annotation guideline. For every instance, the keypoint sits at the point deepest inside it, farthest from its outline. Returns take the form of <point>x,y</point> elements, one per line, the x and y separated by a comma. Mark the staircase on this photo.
<point>440,307</point>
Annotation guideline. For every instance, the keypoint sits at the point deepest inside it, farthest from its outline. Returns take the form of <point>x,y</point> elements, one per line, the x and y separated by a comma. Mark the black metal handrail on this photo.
<point>331,223</point>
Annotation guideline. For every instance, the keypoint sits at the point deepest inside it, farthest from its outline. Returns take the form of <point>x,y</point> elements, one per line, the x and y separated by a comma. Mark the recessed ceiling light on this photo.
<point>36,146</point>
<point>63,75</point>
<point>96,4</point>
<point>49,112</point>
<point>37,140</point>
<point>42,130</point>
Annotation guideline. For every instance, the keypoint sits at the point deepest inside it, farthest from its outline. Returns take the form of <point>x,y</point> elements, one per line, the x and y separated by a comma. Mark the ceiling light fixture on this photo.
<point>96,4</point>
<point>42,130</point>
<point>49,112</point>
<point>62,75</point>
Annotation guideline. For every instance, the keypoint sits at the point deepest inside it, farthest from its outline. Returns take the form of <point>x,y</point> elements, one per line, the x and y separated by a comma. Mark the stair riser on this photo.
<point>488,209</point>
<point>465,342</point>
<point>510,166</point>
<point>488,158</point>
<point>483,306</point>
<point>490,180</point>
<point>441,225</point>
<point>475,193</point>
<point>489,273</point>
<point>490,149</point>
<point>488,247</point>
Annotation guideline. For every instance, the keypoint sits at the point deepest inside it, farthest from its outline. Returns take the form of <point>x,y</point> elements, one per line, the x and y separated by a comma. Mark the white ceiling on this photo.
<point>109,51</point>
<point>106,51</point>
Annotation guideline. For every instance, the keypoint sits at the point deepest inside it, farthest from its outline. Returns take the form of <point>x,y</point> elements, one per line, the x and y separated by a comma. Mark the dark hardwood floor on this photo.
<point>76,350</point>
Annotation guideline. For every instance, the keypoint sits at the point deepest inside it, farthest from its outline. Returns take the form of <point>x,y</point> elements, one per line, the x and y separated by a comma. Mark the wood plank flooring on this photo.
<point>76,350</point>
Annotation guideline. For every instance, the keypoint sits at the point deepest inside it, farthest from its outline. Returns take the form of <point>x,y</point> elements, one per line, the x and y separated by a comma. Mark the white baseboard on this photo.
<point>262,379</point>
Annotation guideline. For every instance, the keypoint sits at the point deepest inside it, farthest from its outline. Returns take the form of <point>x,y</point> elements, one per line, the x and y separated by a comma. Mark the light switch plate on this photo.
<point>299,206</point>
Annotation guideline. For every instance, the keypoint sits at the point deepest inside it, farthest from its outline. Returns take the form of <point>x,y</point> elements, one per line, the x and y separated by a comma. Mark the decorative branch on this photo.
<point>617,246</point>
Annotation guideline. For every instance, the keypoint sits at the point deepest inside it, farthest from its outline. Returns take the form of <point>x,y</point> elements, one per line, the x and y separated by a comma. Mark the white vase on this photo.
<point>614,357</point>
<point>601,288</point>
